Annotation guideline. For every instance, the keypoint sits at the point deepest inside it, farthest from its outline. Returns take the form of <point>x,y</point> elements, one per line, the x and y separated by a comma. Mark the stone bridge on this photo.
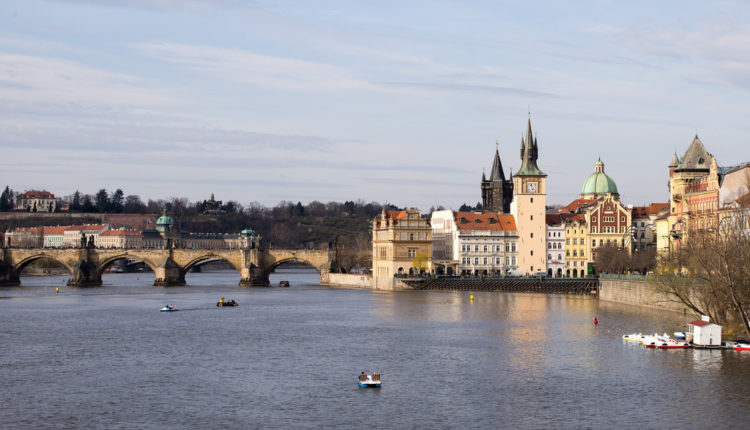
<point>169,265</point>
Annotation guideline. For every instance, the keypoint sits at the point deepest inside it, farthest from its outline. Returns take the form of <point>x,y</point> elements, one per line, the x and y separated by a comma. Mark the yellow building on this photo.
<point>577,246</point>
<point>401,245</point>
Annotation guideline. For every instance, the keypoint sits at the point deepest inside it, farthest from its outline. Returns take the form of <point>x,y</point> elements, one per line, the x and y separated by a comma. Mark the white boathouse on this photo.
<point>705,332</point>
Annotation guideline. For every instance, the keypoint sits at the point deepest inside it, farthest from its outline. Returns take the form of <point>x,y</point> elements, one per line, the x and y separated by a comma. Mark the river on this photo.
<point>288,358</point>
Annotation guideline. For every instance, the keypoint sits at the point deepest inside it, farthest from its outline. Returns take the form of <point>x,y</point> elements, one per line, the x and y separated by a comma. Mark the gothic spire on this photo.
<point>497,174</point>
<point>529,154</point>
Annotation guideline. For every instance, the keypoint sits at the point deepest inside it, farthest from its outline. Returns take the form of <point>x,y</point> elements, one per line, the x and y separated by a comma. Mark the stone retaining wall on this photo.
<point>637,293</point>
<point>349,280</point>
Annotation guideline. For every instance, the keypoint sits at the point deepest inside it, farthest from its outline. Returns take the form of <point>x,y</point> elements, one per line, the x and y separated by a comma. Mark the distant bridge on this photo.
<point>86,265</point>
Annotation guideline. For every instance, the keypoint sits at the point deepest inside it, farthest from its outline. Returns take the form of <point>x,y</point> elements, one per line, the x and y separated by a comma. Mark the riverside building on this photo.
<point>474,243</point>
<point>401,245</point>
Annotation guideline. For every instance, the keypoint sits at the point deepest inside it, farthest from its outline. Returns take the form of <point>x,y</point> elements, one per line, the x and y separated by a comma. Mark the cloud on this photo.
<point>256,69</point>
<point>53,81</point>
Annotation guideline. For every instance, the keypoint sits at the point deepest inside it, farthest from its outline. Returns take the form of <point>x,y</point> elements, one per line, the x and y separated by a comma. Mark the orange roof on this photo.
<point>576,205</point>
<point>639,212</point>
<point>55,230</point>
<point>744,201</point>
<point>655,208</point>
<point>121,233</point>
<point>85,227</point>
<point>34,194</point>
<point>395,214</point>
<point>484,221</point>
<point>557,219</point>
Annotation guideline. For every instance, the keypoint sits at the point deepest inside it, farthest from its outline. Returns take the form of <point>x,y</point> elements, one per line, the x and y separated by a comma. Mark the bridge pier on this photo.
<point>7,277</point>
<point>254,277</point>
<point>169,274</point>
<point>85,274</point>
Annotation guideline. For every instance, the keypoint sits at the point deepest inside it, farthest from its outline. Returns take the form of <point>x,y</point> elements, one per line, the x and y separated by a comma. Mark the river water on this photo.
<point>289,357</point>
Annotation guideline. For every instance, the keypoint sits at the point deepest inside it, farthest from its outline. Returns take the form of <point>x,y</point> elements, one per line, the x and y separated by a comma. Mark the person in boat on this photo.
<point>363,377</point>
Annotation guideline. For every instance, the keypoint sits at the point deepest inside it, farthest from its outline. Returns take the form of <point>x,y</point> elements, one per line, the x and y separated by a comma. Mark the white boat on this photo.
<point>680,335</point>
<point>742,347</point>
<point>651,341</point>
<point>369,381</point>
<point>632,337</point>
<point>169,308</point>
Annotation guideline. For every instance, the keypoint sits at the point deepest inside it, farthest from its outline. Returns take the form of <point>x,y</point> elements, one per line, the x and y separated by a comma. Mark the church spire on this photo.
<point>529,154</point>
<point>497,174</point>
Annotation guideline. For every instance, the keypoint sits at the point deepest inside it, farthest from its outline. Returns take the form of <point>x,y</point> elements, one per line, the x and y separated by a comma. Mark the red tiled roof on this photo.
<point>85,227</point>
<point>34,194</point>
<point>121,233</point>
<point>395,214</point>
<point>744,201</point>
<point>576,205</point>
<point>699,323</point>
<point>484,221</point>
<point>55,230</point>
<point>639,212</point>
<point>655,208</point>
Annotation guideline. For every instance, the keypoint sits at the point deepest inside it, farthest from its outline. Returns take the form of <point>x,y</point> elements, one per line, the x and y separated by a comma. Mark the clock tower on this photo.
<point>528,208</point>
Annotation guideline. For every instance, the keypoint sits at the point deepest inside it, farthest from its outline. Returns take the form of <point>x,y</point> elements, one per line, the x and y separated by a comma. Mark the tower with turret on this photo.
<point>528,207</point>
<point>497,192</point>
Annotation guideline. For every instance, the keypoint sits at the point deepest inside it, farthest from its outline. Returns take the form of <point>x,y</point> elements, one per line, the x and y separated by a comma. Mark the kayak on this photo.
<point>169,309</point>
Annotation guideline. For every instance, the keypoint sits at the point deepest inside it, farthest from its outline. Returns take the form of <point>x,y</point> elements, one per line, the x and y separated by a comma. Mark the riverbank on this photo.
<point>638,292</point>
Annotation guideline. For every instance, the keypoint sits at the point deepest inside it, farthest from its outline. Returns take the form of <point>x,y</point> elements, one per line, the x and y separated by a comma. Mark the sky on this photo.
<point>389,101</point>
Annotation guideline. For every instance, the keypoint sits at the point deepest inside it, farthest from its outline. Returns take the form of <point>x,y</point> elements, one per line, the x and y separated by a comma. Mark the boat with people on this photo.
<point>222,303</point>
<point>284,284</point>
<point>169,308</point>
<point>369,381</point>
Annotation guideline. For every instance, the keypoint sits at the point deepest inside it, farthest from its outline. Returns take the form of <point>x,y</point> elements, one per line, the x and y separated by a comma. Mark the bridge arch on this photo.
<point>18,268</point>
<point>272,267</point>
<point>103,264</point>
<point>206,257</point>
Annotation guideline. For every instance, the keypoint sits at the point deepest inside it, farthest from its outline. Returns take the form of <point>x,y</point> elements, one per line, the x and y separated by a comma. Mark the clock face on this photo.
<point>531,187</point>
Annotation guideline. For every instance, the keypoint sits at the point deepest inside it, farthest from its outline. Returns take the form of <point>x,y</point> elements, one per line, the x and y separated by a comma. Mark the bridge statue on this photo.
<point>86,264</point>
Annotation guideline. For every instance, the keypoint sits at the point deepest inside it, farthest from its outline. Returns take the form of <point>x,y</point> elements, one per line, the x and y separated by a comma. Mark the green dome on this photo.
<point>247,232</point>
<point>164,223</point>
<point>599,183</point>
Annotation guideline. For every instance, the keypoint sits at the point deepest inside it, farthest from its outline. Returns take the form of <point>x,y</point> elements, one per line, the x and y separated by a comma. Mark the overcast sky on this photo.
<point>397,101</point>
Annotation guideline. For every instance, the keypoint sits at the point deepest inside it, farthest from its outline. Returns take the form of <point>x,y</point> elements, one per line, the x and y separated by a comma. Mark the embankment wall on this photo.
<point>637,293</point>
<point>349,280</point>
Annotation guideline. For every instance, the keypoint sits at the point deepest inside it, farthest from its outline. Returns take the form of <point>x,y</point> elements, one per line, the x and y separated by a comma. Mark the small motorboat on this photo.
<point>230,303</point>
<point>742,346</point>
<point>169,308</point>
<point>283,283</point>
<point>680,335</point>
<point>369,381</point>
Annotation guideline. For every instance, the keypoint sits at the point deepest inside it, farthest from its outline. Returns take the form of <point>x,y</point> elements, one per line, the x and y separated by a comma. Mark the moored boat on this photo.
<point>369,381</point>
<point>283,283</point>
<point>672,344</point>
<point>632,337</point>
<point>230,303</point>
<point>680,335</point>
<point>742,347</point>
<point>169,308</point>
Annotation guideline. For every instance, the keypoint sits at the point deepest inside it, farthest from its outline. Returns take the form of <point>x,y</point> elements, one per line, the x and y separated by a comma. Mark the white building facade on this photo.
<point>555,245</point>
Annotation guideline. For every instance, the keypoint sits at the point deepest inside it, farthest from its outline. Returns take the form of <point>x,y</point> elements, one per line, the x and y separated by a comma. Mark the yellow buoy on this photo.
<point>57,290</point>
<point>472,297</point>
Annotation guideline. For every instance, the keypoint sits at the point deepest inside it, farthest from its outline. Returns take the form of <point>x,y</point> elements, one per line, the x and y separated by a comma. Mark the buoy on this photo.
<point>57,290</point>
<point>471,297</point>
<point>596,321</point>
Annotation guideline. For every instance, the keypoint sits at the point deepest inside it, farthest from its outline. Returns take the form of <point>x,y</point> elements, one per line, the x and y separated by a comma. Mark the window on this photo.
<point>549,256</point>
<point>507,261</point>
<point>559,256</point>
<point>583,241</point>
<point>594,219</point>
<point>567,253</point>
<point>497,260</point>
<point>513,248</point>
<point>581,253</point>
<point>421,235</point>
<point>507,247</point>
<point>532,252</point>
<point>412,252</point>
<point>411,236</point>
<point>497,248</point>
<point>575,241</point>
<point>532,217</point>
<point>484,261</point>
<point>476,248</point>
<point>549,246</point>
<point>593,242</point>
<point>575,253</point>
<point>532,235</point>
<point>567,241</point>
<point>513,261</point>
<point>476,260</point>
<point>485,248</point>
<point>532,201</point>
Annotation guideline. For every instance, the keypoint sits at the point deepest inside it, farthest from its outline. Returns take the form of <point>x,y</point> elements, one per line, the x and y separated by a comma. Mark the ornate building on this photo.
<point>497,192</point>
<point>36,201</point>
<point>399,240</point>
<point>528,208</point>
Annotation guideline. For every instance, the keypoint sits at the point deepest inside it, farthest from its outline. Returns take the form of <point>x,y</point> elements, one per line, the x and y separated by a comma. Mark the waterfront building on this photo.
<point>401,245</point>
<point>644,228</point>
<point>25,237</point>
<point>578,258</point>
<point>528,207</point>
<point>120,238</point>
<point>699,189</point>
<point>72,235</point>
<point>555,244</point>
<point>600,219</point>
<point>36,201</point>
<point>474,243</point>
<point>54,237</point>
<point>497,192</point>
